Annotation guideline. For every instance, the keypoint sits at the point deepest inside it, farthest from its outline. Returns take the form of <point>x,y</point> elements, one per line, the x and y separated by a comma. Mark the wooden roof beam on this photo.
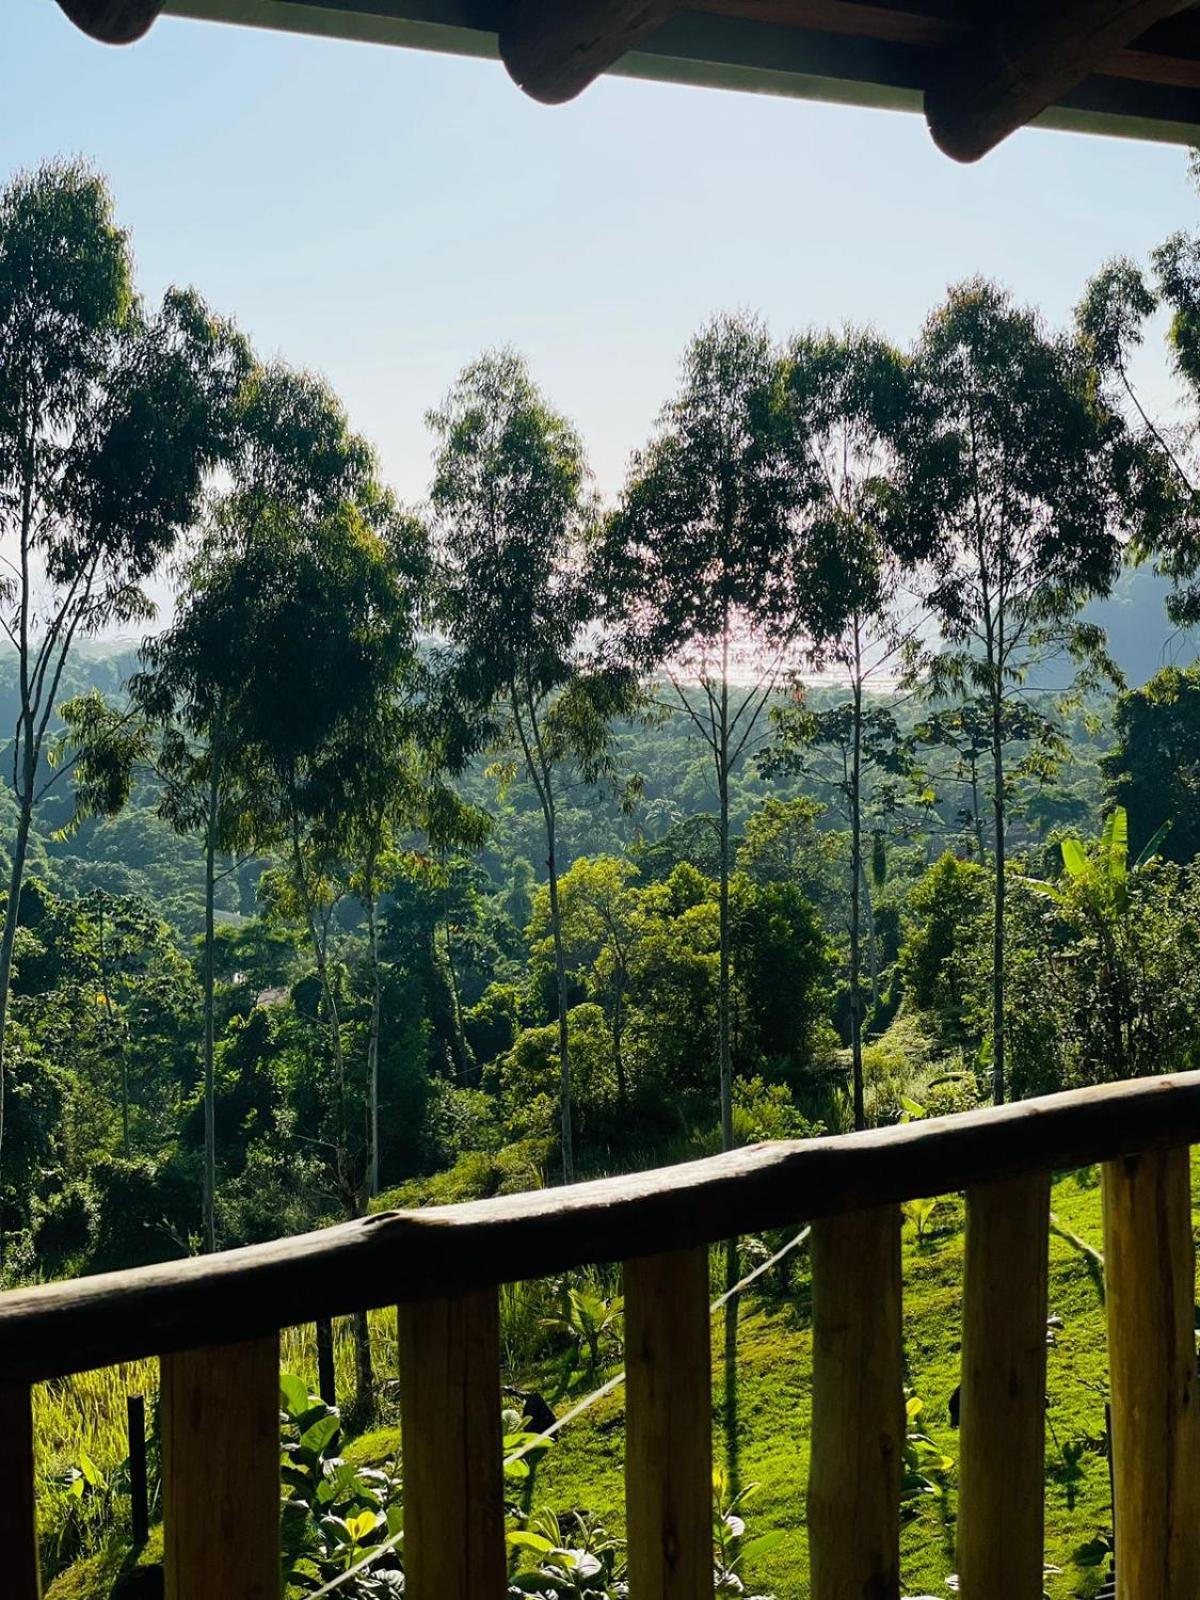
<point>555,48</point>
<point>113,21</point>
<point>1016,62</point>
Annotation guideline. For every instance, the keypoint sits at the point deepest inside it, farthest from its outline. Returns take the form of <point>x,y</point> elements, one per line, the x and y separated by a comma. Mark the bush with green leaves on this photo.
<point>924,1464</point>
<point>334,1514</point>
<point>588,1325</point>
<point>565,1558</point>
<point>575,1557</point>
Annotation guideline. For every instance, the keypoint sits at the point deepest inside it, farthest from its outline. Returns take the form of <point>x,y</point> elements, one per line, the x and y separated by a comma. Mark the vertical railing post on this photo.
<point>858,1407</point>
<point>221,1472</point>
<point>668,1450</point>
<point>22,1570</point>
<point>450,1426</point>
<point>1150,1291</point>
<point>1001,1475</point>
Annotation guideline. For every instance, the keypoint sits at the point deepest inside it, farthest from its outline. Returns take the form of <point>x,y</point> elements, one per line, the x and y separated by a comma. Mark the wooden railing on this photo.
<point>215,1322</point>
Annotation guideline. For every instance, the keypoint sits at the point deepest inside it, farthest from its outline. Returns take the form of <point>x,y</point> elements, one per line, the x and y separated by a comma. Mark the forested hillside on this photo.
<point>842,771</point>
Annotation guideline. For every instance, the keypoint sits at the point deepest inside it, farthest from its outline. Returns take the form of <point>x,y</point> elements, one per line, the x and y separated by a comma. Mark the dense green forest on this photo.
<point>843,770</point>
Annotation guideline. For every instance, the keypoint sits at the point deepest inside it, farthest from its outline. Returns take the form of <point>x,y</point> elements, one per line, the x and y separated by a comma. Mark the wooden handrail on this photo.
<point>215,1321</point>
<point>60,1328</point>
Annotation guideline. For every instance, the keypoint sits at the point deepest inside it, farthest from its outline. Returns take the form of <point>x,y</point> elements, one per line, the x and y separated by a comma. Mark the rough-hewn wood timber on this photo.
<point>220,1472</point>
<point>1001,1468</point>
<point>668,1439</point>
<point>22,1574</point>
<point>68,1327</point>
<point>452,1448</point>
<point>1150,1278</point>
<point>555,48</point>
<point>857,1407</point>
<point>1020,59</point>
<point>113,21</point>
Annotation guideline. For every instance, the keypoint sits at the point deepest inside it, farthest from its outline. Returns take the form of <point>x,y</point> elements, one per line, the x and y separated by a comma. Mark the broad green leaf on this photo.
<point>293,1395</point>
<point>762,1544</point>
<point>319,1435</point>
<point>1074,858</point>
<point>522,1539</point>
<point>1116,842</point>
<point>1151,848</point>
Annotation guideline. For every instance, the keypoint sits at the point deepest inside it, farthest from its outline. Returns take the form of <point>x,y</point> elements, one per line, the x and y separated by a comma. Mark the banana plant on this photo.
<point>1100,877</point>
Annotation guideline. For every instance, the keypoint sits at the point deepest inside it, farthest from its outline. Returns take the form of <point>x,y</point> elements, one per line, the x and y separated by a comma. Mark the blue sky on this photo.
<point>383,215</point>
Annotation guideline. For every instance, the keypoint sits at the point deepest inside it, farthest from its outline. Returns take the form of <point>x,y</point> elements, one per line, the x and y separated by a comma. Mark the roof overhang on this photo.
<point>978,67</point>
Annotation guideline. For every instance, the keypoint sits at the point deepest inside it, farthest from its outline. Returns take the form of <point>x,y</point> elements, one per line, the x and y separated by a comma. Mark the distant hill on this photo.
<point>1141,637</point>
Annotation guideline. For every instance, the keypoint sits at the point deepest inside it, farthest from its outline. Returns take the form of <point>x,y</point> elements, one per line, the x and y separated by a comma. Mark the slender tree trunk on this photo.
<point>339,1055</point>
<point>980,844</point>
<point>210,1086</point>
<point>352,1191</point>
<point>16,879</point>
<point>373,1047</point>
<point>110,1024</point>
<point>619,1039</point>
<point>860,1113</point>
<point>999,1079</point>
<point>872,938</point>
<point>560,970</point>
<point>724,1044</point>
<point>364,1369</point>
<point>464,1056</point>
<point>363,1365</point>
<point>540,772</point>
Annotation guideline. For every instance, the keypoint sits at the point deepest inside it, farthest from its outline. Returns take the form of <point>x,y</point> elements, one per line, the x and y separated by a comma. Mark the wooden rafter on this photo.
<point>1016,62</point>
<point>113,21</point>
<point>555,48</point>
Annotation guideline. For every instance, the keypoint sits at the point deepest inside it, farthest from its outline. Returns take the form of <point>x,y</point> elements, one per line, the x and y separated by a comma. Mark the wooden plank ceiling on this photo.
<point>979,68</point>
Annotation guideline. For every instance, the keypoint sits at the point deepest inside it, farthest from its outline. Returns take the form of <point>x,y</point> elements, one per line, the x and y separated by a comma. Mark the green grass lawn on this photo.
<point>761,1431</point>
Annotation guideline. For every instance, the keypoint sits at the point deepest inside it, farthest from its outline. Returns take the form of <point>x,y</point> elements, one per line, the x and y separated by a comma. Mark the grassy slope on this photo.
<point>773,1409</point>
<point>584,1470</point>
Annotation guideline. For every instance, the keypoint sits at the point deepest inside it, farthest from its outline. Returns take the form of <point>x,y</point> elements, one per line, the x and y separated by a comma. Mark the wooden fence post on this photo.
<point>668,1451</point>
<point>221,1472</point>
<point>1002,1460</point>
<point>326,1370</point>
<point>858,1407</point>
<point>22,1569</point>
<point>450,1419</point>
<point>1150,1281</point>
<point>139,1495</point>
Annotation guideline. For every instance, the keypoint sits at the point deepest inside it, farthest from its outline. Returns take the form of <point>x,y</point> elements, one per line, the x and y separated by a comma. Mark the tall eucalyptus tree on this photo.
<point>512,518</point>
<point>697,564</point>
<point>1015,487</point>
<point>847,396</point>
<point>112,415</point>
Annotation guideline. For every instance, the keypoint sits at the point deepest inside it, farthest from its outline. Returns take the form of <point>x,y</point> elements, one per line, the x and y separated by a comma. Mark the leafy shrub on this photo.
<point>764,1111</point>
<point>731,1547</point>
<point>476,1176</point>
<point>924,1464</point>
<point>333,1513</point>
<point>459,1122</point>
<point>491,1024</point>
<point>64,1226</point>
<point>590,1328</point>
